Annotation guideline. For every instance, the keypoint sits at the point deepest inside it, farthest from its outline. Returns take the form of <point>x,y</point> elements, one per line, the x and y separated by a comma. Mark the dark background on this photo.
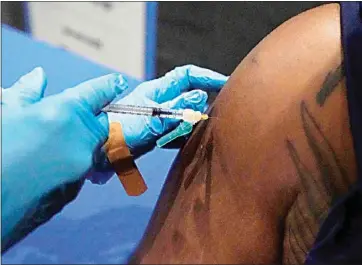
<point>215,35</point>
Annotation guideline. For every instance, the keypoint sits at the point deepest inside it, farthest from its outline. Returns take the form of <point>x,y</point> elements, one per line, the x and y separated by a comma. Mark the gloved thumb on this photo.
<point>97,93</point>
<point>27,90</point>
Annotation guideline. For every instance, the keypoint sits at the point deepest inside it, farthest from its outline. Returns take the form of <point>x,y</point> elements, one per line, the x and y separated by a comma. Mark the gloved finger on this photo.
<point>180,80</point>
<point>206,106</point>
<point>103,120</point>
<point>195,100</point>
<point>97,93</point>
<point>27,90</point>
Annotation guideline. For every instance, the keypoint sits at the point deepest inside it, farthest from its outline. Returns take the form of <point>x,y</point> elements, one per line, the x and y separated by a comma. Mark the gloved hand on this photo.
<point>48,146</point>
<point>169,91</point>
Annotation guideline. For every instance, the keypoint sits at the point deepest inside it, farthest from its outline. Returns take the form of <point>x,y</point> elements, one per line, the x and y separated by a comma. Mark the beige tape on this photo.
<point>123,162</point>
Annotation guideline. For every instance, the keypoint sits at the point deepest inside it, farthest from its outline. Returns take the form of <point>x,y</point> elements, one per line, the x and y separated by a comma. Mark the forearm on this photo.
<point>33,201</point>
<point>29,213</point>
<point>22,188</point>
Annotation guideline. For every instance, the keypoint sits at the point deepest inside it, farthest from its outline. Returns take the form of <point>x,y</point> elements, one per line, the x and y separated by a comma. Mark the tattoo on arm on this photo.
<point>320,187</point>
<point>329,169</point>
<point>326,161</point>
<point>330,83</point>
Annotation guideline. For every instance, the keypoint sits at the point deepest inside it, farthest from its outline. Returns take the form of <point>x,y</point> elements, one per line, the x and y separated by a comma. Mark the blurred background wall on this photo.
<point>216,35</point>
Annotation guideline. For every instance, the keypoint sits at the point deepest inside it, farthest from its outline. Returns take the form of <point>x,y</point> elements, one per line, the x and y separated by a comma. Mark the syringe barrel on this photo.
<point>147,111</point>
<point>168,113</point>
<point>129,109</point>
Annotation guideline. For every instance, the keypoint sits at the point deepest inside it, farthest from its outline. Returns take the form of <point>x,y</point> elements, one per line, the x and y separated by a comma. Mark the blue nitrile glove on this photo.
<point>48,147</point>
<point>169,91</point>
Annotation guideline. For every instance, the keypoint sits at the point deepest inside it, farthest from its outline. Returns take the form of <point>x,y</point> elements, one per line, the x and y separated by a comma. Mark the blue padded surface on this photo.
<point>103,225</point>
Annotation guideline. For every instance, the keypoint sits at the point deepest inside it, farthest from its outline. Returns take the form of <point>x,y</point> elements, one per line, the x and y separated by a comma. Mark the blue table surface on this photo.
<point>103,224</point>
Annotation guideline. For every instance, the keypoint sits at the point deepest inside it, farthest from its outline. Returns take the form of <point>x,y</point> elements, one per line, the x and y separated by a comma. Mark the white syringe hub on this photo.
<point>192,116</point>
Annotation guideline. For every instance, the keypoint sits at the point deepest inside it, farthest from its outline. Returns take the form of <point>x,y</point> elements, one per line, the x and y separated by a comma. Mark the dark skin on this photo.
<point>254,184</point>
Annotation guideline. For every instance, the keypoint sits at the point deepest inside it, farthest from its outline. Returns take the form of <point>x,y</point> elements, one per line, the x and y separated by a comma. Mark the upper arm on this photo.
<point>275,88</point>
<point>288,121</point>
<point>278,128</point>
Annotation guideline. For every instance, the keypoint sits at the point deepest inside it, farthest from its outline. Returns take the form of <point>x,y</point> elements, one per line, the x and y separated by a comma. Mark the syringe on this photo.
<point>187,115</point>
